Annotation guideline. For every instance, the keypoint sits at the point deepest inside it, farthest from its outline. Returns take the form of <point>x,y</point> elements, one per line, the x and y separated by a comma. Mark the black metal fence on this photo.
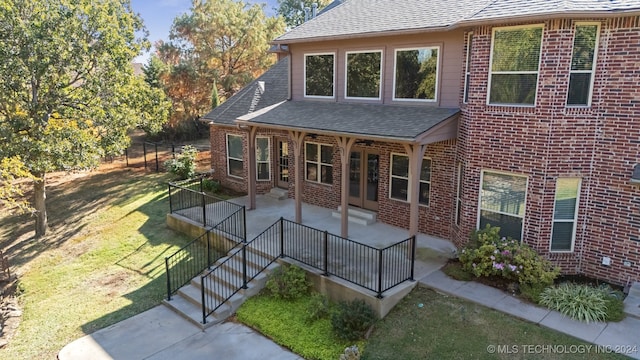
<point>151,155</point>
<point>188,199</point>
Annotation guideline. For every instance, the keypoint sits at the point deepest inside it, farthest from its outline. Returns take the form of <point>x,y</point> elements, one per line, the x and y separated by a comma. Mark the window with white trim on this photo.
<point>364,74</point>
<point>515,61</point>
<point>318,161</point>
<point>467,72</point>
<point>234,156</point>
<point>585,45</point>
<point>319,75</point>
<point>416,74</point>
<point>263,158</point>
<point>565,214</point>
<point>502,202</point>
<point>399,184</point>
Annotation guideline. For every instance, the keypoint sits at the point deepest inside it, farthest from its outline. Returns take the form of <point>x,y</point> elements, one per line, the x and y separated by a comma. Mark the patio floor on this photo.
<point>431,252</point>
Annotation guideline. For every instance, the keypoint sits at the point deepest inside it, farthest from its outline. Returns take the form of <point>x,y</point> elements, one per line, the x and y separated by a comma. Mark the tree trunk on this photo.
<point>39,202</point>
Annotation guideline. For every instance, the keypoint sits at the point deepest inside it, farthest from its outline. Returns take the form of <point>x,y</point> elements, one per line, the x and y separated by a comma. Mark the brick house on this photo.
<point>520,114</point>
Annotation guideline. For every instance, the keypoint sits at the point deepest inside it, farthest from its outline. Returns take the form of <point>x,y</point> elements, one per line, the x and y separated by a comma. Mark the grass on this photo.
<point>428,325</point>
<point>102,260</point>
<point>288,324</point>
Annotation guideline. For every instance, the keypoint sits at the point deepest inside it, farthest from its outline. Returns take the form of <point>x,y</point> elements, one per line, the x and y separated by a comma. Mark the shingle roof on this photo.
<point>385,121</point>
<point>254,97</point>
<point>362,17</point>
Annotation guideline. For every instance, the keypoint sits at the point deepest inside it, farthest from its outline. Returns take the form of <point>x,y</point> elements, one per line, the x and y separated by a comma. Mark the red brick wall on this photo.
<point>599,144</point>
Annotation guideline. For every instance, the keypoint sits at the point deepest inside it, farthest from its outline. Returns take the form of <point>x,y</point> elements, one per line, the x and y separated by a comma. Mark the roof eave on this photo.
<point>469,23</point>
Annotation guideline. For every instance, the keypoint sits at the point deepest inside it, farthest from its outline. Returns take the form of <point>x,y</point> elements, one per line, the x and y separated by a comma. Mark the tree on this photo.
<point>219,41</point>
<point>215,99</point>
<point>68,94</point>
<point>11,194</point>
<point>293,10</point>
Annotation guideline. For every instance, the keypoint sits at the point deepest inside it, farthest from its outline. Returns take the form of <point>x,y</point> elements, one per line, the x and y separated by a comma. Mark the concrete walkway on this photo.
<point>160,333</point>
<point>622,337</point>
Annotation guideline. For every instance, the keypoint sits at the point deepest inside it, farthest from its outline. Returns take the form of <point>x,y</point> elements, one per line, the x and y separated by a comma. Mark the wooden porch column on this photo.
<point>344,145</point>
<point>251,167</point>
<point>416,153</point>
<point>297,138</point>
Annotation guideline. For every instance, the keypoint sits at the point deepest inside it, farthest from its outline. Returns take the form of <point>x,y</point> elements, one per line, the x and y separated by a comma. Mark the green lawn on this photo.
<point>101,262</point>
<point>428,325</point>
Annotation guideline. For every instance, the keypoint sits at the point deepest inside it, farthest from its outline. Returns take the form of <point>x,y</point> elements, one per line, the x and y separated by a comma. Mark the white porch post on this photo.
<point>416,153</point>
<point>344,145</point>
<point>251,170</point>
<point>297,138</point>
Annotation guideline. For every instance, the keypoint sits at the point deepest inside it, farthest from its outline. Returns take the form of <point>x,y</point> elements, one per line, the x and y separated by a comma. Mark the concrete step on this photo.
<point>632,301</point>
<point>278,194</point>
<point>357,215</point>
<point>193,294</point>
<point>190,311</point>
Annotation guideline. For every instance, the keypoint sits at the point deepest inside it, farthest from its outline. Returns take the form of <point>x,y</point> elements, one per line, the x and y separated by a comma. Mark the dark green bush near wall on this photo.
<point>351,319</point>
<point>288,282</point>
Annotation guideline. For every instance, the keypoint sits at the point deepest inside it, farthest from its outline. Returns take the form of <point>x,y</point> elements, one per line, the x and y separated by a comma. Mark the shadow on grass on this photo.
<point>70,206</point>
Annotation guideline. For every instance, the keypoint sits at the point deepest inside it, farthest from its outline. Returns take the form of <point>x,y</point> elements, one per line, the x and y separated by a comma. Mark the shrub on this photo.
<point>318,307</point>
<point>351,319</point>
<point>455,271</point>
<point>184,164</point>
<point>210,185</point>
<point>351,353</point>
<point>490,255</point>
<point>579,302</point>
<point>532,292</point>
<point>288,283</point>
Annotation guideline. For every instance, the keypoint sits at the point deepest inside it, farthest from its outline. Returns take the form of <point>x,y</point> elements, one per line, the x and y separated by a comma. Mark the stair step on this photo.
<point>635,289</point>
<point>190,311</point>
<point>194,295</point>
<point>358,216</point>
<point>278,194</point>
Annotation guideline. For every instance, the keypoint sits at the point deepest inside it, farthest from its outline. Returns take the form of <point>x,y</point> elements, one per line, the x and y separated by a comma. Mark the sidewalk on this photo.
<point>160,333</point>
<point>620,336</point>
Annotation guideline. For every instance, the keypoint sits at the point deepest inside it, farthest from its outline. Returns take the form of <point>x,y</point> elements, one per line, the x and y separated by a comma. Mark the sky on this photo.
<point>158,16</point>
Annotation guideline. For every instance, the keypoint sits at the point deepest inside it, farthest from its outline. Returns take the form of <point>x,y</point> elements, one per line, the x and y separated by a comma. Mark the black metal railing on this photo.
<point>190,261</point>
<point>374,269</point>
<point>187,199</point>
<point>243,263</point>
<point>377,270</point>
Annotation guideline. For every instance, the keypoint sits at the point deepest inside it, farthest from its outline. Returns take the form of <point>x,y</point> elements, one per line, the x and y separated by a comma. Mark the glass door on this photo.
<point>282,159</point>
<point>363,179</point>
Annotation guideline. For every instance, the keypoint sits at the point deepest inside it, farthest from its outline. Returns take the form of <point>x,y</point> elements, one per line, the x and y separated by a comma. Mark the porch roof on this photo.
<point>407,124</point>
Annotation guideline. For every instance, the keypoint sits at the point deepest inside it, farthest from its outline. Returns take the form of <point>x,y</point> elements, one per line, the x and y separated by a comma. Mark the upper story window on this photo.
<point>319,75</point>
<point>585,45</point>
<point>467,71</point>
<point>416,74</point>
<point>515,61</point>
<point>364,74</point>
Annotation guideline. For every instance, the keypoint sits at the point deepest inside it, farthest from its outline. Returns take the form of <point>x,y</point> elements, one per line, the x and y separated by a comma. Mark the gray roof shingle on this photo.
<point>252,98</point>
<point>363,17</point>
<point>386,121</point>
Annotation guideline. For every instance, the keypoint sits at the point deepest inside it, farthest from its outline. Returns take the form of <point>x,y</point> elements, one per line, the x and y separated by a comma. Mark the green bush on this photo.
<point>318,307</point>
<point>351,319</point>
<point>491,255</point>
<point>454,270</point>
<point>288,282</point>
<point>286,322</point>
<point>532,292</point>
<point>210,185</point>
<point>579,302</point>
<point>184,164</point>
